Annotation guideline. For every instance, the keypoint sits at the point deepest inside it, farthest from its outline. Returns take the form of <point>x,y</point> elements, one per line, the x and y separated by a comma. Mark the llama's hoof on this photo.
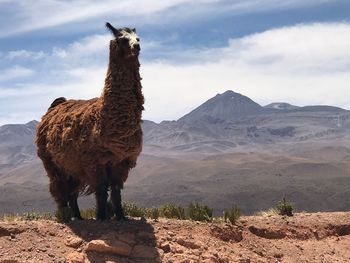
<point>101,218</point>
<point>122,218</point>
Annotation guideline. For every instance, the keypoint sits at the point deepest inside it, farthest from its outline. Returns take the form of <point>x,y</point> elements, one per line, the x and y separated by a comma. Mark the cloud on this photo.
<point>24,16</point>
<point>63,12</point>
<point>302,48</point>
<point>25,54</point>
<point>15,72</point>
<point>303,64</point>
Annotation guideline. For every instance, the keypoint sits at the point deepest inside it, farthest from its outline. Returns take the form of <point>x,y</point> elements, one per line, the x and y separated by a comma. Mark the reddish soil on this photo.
<point>319,237</point>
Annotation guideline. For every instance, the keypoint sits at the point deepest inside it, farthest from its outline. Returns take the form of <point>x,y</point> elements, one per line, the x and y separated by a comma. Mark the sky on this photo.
<point>292,51</point>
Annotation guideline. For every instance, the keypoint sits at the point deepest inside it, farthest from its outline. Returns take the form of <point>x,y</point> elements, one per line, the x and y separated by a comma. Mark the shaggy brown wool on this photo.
<point>79,141</point>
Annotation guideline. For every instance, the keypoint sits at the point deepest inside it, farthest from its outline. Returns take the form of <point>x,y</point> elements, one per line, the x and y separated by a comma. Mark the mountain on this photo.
<point>17,134</point>
<point>281,106</point>
<point>231,121</point>
<point>16,144</point>
<point>226,106</point>
<point>229,149</point>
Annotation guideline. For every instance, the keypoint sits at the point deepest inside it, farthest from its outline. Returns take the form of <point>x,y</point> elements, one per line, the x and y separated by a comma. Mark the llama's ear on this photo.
<point>134,30</point>
<point>113,30</point>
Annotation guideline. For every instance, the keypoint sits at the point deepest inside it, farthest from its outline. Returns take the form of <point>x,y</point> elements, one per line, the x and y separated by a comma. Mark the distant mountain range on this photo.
<point>231,120</point>
<point>229,149</point>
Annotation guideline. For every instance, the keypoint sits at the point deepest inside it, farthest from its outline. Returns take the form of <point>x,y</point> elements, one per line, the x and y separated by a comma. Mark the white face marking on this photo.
<point>133,38</point>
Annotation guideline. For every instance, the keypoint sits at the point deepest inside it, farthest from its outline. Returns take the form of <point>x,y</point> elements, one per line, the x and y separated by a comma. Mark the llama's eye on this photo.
<point>138,39</point>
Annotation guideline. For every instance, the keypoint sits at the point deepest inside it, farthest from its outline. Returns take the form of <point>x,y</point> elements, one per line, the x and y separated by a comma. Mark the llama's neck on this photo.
<point>122,99</point>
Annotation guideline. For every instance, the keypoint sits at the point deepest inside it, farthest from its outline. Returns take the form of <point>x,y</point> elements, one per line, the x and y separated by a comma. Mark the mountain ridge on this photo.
<point>225,106</point>
<point>254,159</point>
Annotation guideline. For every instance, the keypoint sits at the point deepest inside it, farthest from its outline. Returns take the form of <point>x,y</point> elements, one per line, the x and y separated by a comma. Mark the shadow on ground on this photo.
<point>117,241</point>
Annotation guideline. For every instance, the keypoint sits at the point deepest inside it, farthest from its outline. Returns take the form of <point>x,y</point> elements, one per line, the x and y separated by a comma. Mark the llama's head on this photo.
<point>126,42</point>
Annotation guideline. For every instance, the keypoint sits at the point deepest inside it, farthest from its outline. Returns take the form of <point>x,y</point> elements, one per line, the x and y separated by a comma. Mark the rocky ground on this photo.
<point>319,237</point>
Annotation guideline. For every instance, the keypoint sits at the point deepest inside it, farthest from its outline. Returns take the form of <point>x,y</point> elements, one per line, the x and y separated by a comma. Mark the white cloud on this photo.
<point>15,72</point>
<point>301,48</point>
<point>303,64</point>
<point>25,54</point>
<point>63,12</point>
<point>26,16</point>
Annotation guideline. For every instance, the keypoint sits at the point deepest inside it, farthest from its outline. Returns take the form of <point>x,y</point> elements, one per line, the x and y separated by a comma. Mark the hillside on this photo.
<point>320,237</point>
<point>227,150</point>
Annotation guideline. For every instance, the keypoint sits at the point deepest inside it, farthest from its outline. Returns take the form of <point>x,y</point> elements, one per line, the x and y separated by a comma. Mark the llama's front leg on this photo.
<point>101,194</point>
<point>117,203</point>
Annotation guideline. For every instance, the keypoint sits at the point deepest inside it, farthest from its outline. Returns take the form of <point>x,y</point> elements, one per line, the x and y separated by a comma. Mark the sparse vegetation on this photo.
<point>194,211</point>
<point>10,217</point>
<point>232,214</point>
<point>172,211</point>
<point>273,211</point>
<point>154,213</point>
<point>64,214</point>
<point>89,213</point>
<point>29,216</point>
<point>131,209</point>
<point>198,212</point>
<point>33,215</point>
<point>285,208</point>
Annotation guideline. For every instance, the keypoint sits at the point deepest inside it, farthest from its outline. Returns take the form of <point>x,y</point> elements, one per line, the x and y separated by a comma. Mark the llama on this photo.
<point>89,146</point>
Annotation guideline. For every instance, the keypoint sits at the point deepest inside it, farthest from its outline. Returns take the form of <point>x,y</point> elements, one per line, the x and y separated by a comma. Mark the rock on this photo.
<point>147,252</point>
<point>115,247</point>
<point>144,234</point>
<point>209,256</point>
<point>227,233</point>
<point>177,249</point>
<point>278,255</point>
<point>170,233</point>
<point>74,242</point>
<point>189,243</point>
<point>268,233</point>
<point>127,238</point>
<point>160,253</point>
<point>76,257</point>
<point>165,246</point>
<point>9,261</point>
<point>83,233</point>
<point>10,230</point>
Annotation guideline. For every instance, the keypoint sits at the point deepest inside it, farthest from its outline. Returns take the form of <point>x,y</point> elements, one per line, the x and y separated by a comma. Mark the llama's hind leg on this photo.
<point>58,183</point>
<point>101,193</point>
<point>59,191</point>
<point>73,197</point>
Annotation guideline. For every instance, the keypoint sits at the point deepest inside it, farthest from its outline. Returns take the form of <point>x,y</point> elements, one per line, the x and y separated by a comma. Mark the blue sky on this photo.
<point>293,50</point>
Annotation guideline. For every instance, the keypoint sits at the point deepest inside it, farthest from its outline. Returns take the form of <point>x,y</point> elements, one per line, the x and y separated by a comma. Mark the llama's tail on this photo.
<point>57,101</point>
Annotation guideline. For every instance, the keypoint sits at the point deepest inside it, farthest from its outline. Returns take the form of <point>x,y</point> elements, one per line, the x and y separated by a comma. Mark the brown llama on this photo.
<point>89,146</point>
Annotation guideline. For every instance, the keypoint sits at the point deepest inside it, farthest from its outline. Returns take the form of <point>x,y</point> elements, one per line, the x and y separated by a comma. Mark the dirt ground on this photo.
<point>318,237</point>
